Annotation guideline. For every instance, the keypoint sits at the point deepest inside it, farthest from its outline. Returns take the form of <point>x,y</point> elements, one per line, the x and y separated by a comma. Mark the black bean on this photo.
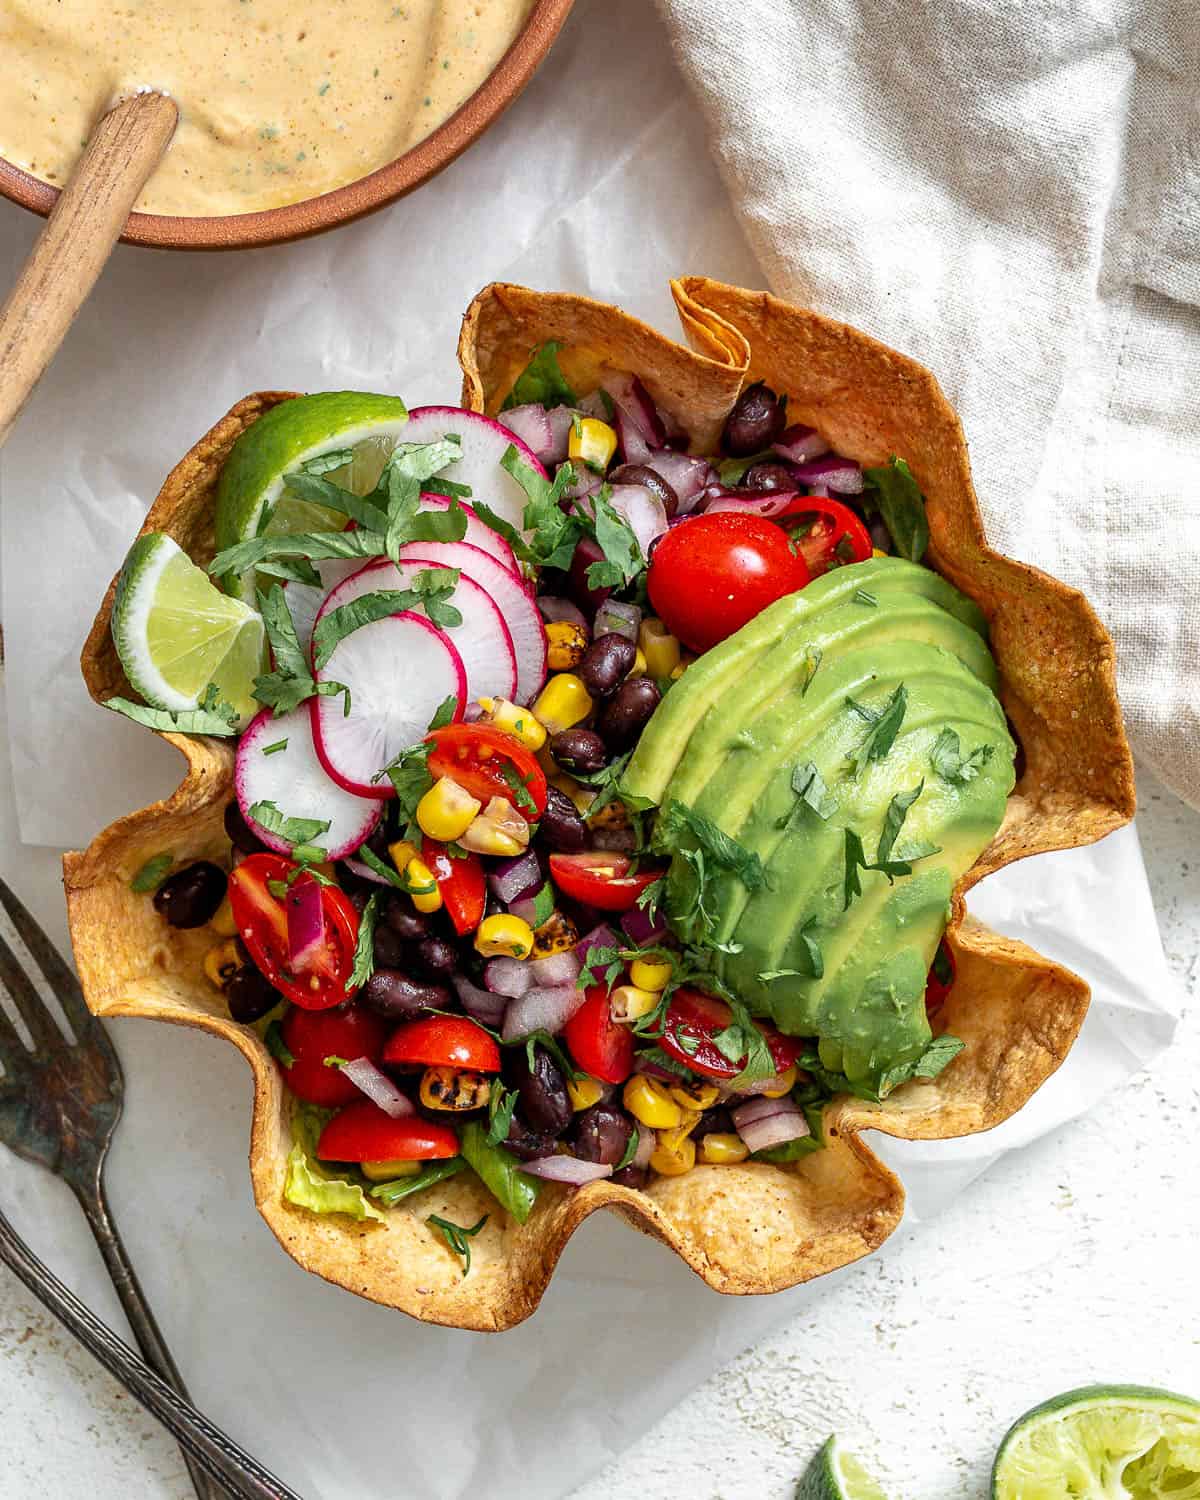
<point>434,958</point>
<point>561,827</point>
<point>631,1176</point>
<point>249,994</point>
<point>767,478</point>
<point>579,750</point>
<point>588,599</point>
<point>527,1144</point>
<point>542,1095</point>
<point>606,664</point>
<point>755,422</point>
<point>390,993</point>
<point>716,1121</point>
<point>602,1134</point>
<point>241,835</point>
<point>623,718</point>
<point>191,897</point>
<point>400,918</point>
<point>649,480</point>
<point>389,949</point>
<point>881,537</point>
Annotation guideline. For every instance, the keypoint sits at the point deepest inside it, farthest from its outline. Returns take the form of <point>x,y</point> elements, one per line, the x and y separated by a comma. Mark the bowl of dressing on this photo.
<point>294,118</point>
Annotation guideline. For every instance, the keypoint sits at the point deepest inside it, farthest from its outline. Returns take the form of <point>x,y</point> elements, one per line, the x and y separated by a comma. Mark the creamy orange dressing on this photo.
<point>279,100</point>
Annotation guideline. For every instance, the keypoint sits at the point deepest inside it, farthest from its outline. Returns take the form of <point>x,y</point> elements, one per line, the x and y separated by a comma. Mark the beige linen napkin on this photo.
<point>1009,190</point>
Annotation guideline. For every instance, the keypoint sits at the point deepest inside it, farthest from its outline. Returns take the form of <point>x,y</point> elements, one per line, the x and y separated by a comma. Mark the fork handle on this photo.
<point>141,1319</point>
<point>217,1454</point>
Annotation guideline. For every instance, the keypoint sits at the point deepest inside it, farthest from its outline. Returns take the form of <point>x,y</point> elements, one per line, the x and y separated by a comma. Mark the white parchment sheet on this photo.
<point>597,180</point>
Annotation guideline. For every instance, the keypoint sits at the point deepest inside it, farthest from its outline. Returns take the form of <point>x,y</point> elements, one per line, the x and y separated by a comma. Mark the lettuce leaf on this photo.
<point>310,1185</point>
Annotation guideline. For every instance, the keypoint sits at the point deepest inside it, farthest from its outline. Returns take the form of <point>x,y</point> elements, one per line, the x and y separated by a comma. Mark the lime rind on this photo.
<point>834,1474</point>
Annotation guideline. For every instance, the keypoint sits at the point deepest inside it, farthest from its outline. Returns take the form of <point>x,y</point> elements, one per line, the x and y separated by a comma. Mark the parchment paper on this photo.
<point>597,180</point>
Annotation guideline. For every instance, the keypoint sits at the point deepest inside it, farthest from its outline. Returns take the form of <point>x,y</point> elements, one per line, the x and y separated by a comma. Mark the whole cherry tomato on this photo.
<point>261,917</point>
<point>364,1132</point>
<point>313,1035</point>
<point>601,879</point>
<point>443,1041</point>
<point>600,1045</point>
<point>711,574</point>
<point>488,763</point>
<point>462,883</point>
<point>690,1027</point>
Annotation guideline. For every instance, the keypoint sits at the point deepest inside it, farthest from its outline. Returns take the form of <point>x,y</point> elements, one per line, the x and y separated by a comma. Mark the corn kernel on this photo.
<point>680,668</point>
<point>785,1085</point>
<point>695,1095</point>
<point>628,1003</point>
<point>593,441</point>
<point>385,1171</point>
<point>674,1163</point>
<point>444,1087</point>
<point>563,702</point>
<point>650,974</point>
<point>514,720</point>
<point>650,1104</point>
<point>504,936</point>
<point>421,885</point>
<point>672,1140</point>
<point>582,796</point>
<point>402,854</point>
<point>719,1149</point>
<point>659,647</point>
<point>639,665</point>
<point>877,552</point>
<point>583,1092</point>
<point>446,810</point>
<point>222,922</point>
<point>499,829</point>
<point>556,934</point>
<point>566,645</point>
<point>221,963</point>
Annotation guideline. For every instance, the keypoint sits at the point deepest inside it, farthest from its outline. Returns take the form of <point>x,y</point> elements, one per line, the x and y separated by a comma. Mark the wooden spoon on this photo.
<point>80,233</point>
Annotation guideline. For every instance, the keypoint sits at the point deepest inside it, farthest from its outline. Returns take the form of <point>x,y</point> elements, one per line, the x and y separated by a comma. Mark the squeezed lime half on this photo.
<point>835,1474</point>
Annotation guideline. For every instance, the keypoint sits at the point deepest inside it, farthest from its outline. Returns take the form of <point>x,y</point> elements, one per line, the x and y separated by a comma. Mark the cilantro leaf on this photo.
<point>883,725</point>
<point>938,1055</point>
<point>295,831</point>
<point>543,906</point>
<point>951,765</point>
<point>458,1236</point>
<point>679,820</point>
<point>811,791</point>
<point>324,492</point>
<point>218,719</point>
<point>623,559</point>
<point>541,382</point>
<point>630,1151</point>
<point>501,1104</point>
<point>364,948</point>
<point>310,544</point>
<point>894,492</point>
<point>861,596</point>
<point>295,570</point>
<point>381,867</point>
<point>893,820</point>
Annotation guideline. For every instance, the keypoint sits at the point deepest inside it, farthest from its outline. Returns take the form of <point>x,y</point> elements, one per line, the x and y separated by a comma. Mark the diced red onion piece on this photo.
<point>305,925</point>
<point>506,976</point>
<point>364,872</point>
<point>599,937</point>
<point>645,513</point>
<point>546,1010</point>
<point>643,929</point>
<point>763,1123</point>
<point>584,482</point>
<point>568,1169</point>
<point>639,426</point>
<point>561,420</point>
<point>752,1090</point>
<point>798,443</point>
<point>531,424</point>
<point>554,610</point>
<point>480,1005</point>
<point>647,1140</point>
<point>643,1063</point>
<point>842,475</point>
<point>525,908</point>
<point>768,506</point>
<point>510,878</point>
<point>687,475</point>
<point>555,968</point>
<point>821,490</point>
<point>378,1087</point>
<point>595,405</point>
<point>616,618</point>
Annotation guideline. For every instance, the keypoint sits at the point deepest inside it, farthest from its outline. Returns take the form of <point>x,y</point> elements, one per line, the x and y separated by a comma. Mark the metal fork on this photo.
<point>59,1106</point>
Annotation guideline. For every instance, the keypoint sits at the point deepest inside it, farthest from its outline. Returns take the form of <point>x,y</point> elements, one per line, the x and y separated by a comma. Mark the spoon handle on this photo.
<point>80,233</point>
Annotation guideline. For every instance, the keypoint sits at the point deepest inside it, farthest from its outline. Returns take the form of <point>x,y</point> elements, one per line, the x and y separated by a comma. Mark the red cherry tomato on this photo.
<point>600,879</point>
<point>711,574</point>
<point>313,1035</point>
<point>692,1021</point>
<point>938,986</point>
<point>476,756</point>
<point>448,1041</point>
<point>261,918</point>
<point>364,1132</point>
<point>600,1045</point>
<point>836,535</point>
<point>462,884</point>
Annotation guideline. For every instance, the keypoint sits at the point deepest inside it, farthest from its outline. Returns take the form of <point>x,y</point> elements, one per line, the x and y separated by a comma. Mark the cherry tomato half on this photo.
<point>693,1020</point>
<point>462,883</point>
<point>711,574</point>
<point>600,1045</point>
<point>447,1041</point>
<point>364,1132</point>
<point>836,535</point>
<point>601,879</point>
<point>313,1035</point>
<point>261,918</point>
<point>941,979</point>
<point>477,756</point>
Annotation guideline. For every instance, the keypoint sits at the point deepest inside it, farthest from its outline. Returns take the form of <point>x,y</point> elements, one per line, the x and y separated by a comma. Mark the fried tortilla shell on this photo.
<point>749,1228</point>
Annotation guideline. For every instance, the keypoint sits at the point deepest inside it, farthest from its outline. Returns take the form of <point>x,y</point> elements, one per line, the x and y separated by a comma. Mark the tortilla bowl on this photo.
<point>749,1228</point>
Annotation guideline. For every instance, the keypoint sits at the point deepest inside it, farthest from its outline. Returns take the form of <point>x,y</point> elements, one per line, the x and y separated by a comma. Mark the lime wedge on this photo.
<point>176,632</point>
<point>834,1474</point>
<point>1103,1442</point>
<point>251,499</point>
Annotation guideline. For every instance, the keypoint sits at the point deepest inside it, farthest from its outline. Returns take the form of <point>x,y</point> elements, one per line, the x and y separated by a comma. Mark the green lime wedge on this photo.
<point>304,433</point>
<point>176,632</point>
<point>1103,1442</point>
<point>836,1475</point>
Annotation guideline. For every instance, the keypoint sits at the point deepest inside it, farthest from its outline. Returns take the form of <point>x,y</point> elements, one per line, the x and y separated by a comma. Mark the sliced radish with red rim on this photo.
<point>484,444</point>
<point>479,533</point>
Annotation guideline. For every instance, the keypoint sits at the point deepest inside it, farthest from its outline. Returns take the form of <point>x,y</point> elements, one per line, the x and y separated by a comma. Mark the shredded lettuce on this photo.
<point>311,1185</point>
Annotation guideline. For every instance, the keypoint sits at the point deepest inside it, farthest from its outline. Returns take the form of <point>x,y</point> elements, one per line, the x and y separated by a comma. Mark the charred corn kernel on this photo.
<point>651,974</point>
<point>445,811</point>
<point>719,1149</point>
<point>421,885</point>
<point>556,934</point>
<point>582,796</point>
<point>514,720</point>
<point>785,1085</point>
<point>650,1104</point>
<point>222,922</point>
<point>564,701</point>
<point>639,665</point>
<point>674,1163</point>
<point>628,1003</point>
<point>221,963</point>
<point>566,645</point>
<point>672,1140</point>
<point>694,1095</point>
<point>384,1171</point>
<point>403,853</point>
<point>658,646</point>
<point>593,441</point>
<point>504,936</point>
<point>583,1092</point>
<point>443,1087</point>
<point>612,815</point>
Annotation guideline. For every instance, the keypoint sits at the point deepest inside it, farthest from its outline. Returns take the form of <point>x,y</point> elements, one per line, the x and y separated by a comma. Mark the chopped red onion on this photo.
<point>643,929</point>
<point>510,878</point>
<point>594,404</point>
<point>531,423</point>
<point>688,476</point>
<point>555,968</point>
<point>639,426</point>
<point>645,513</point>
<point>644,1063</point>
<point>546,1010</point>
<point>506,976</point>
<point>525,908</point>
<point>764,1123</point>
<point>599,937</point>
<point>842,475</point>
<point>561,420</point>
<point>480,1005</point>
<point>305,925</point>
<point>364,872</point>
<point>768,505</point>
<point>378,1087</point>
<point>798,443</point>
<point>568,1169</point>
<point>647,1140</point>
<point>821,490</point>
<point>553,610</point>
<point>752,1090</point>
<point>615,618</point>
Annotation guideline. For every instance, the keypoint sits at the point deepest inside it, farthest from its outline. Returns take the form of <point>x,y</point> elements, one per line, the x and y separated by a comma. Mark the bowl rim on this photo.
<point>309,216</point>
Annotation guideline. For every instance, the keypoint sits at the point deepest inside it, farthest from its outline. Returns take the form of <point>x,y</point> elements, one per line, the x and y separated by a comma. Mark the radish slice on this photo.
<point>304,600</point>
<point>484,444</point>
<point>399,670</point>
<point>293,779</point>
<point>482,640</point>
<point>515,603</point>
<point>479,533</point>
